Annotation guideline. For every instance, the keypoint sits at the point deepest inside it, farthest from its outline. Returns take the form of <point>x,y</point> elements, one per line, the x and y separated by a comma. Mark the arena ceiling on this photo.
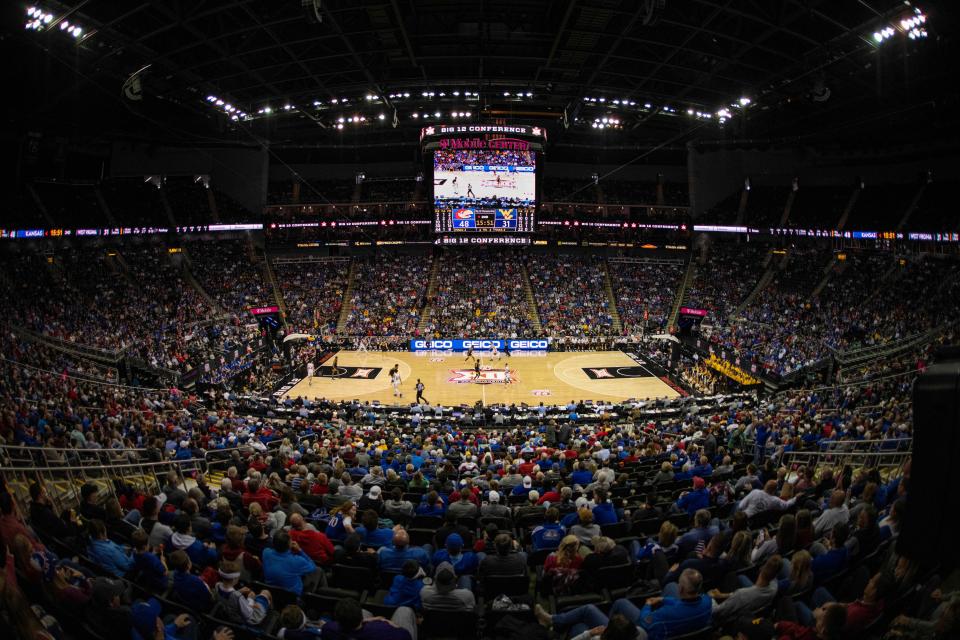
<point>371,72</point>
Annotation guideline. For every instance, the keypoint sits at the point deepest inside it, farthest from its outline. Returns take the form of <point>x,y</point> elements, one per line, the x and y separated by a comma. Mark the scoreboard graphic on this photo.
<point>478,219</point>
<point>484,190</point>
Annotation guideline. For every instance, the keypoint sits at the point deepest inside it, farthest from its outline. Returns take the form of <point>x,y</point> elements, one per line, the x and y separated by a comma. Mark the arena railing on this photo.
<point>888,462</point>
<point>864,355</point>
<point>63,482</point>
<point>108,356</point>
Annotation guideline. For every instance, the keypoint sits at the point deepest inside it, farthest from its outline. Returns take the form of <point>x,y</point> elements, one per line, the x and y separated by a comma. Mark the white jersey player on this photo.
<point>395,381</point>
<point>495,352</point>
<point>506,373</point>
<point>309,373</point>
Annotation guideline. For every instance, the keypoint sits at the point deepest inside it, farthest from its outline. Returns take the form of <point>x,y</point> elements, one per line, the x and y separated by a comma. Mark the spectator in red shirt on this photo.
<point>255,493</point>
<point>313,543</point>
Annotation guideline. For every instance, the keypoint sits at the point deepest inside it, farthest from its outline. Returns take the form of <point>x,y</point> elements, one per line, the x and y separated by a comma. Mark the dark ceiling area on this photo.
<point>367,74</point>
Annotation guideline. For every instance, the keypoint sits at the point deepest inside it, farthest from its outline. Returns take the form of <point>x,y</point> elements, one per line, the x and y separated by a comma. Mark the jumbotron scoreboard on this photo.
<point>484,177</point>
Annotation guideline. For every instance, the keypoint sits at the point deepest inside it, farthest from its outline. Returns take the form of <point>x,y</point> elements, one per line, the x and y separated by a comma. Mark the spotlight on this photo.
<point>415,115</point>
<point>267,110</point>
<point>436,114</point>
<point>744,101</point>
<point>381,117</point>
<point>340,125</point>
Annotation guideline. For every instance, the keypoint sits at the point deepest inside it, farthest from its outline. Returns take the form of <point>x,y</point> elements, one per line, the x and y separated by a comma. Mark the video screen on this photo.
<point>484,190</point>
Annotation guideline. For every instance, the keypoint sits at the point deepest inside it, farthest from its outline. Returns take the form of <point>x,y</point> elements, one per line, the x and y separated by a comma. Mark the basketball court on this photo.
<point>551,378</point>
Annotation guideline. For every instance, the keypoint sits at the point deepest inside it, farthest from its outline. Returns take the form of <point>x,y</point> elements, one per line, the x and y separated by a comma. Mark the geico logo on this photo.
<point>478,344</point>
<point>420,344</point>
<point>528,344</point>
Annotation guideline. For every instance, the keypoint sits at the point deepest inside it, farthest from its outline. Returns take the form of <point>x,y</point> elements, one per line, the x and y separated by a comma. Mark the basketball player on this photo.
<point>506,373</point>
<point>494,352</point>
<point>469,354</point>
<point>470,191</point>
<point>333,373</point>
<point>420,398</point>
<point>476,368</point>
<point>395,379</point>
<point>506,348</point>
<point>498,179</point>
<point>309,373</point>
<point>456,187</point>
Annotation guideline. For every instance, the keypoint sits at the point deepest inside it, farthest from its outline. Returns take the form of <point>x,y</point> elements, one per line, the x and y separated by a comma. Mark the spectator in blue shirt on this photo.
<point>287,567</point>
<point>692,501</point>
<point>603,512</point>
<point>371,535</point>
<point>201,554</point>
<point>524,487</point>
<point>189,588</point>
<point>549,534</point>
<point>108,554</point>
<point>681,610</point>
<point>464,563</point>
<point>147,565</point>
<point>146,623</point>
<point>834,559</point>
<point>392,557</point>
<point>699,534</point>
<point>405,589</point>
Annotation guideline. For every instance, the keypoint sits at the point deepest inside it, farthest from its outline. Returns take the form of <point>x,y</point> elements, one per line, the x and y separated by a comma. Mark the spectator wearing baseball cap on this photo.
<point>693,501</point>
<point>464,562</point>
<point>445,592</point>
<point>492,508</point>
<point>147,625</point>
<point>524,487</point>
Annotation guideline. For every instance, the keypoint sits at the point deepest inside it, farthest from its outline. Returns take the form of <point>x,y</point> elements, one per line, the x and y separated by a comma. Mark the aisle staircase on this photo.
<point>682,290</point>
<point>762,284</point>
<point>271,279</point>
<point>102,202</point>
<point>346,306</point>
<point>827,274</point>
<point>167,208</point>
<point>787,208</point>
<point>431,292</point>
<point>212,203</point>
<point>189,278</point>
<point>35,197</point>
<point>532,312</point>
<point>611,299</point>
<point>911,207</point>
<point>742,206</point>
<point>851,203</point>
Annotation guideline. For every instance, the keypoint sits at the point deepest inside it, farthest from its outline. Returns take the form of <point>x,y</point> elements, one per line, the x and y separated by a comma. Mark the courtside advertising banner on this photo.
<point>479,344</point>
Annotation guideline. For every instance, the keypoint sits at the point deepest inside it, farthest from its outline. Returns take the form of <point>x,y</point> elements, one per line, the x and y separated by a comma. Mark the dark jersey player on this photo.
<point>469,354</point>
<point>476,369</point>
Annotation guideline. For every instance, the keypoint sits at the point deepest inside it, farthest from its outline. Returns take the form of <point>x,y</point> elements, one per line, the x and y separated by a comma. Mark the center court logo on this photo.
<point>487,376</point>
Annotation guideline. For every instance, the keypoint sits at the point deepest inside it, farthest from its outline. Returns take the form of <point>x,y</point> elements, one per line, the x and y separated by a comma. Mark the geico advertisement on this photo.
<point>480,345</point>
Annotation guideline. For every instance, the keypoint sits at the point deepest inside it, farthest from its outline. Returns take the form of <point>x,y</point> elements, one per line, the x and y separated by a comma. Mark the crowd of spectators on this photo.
<point>131,300</point>
<point>571,295</point>
<point>388,295</point>
<point>479,293</point>
<point>869,300</point>
<point>313,293</point>
<point>673,500</point>
<point>645,292</point>
<point>725,279</point>
<point>225,269</point>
